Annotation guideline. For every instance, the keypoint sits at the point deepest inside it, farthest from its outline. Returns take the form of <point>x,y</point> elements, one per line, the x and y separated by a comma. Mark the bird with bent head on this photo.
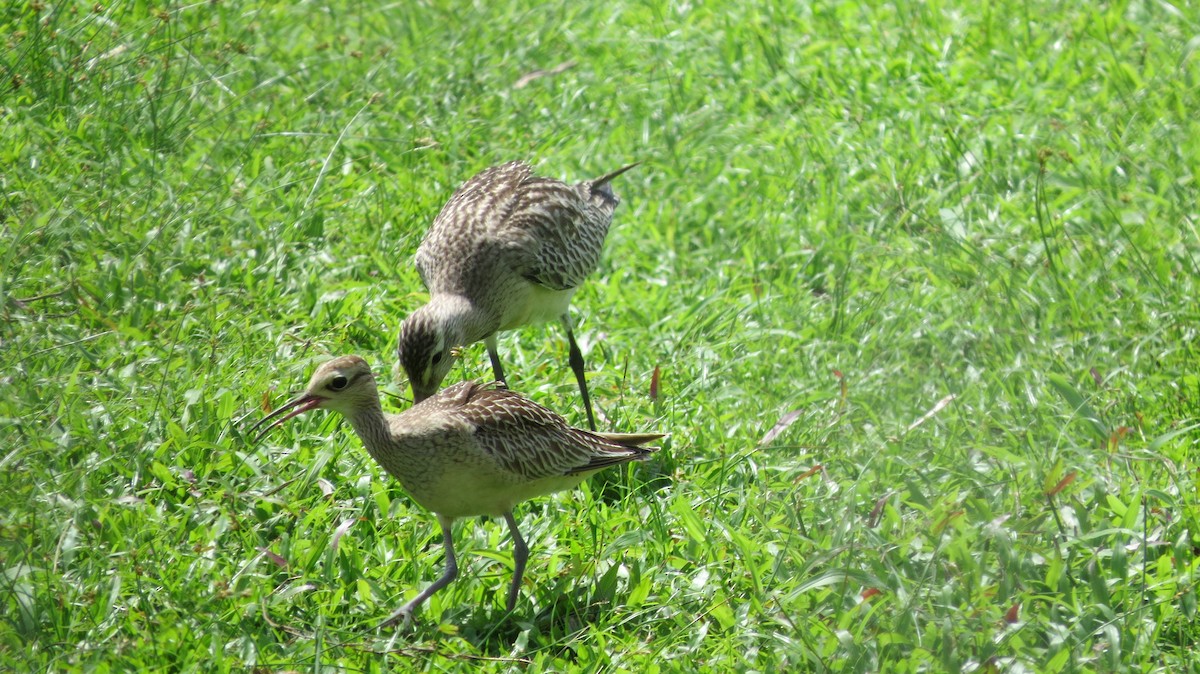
<point>509,249</point>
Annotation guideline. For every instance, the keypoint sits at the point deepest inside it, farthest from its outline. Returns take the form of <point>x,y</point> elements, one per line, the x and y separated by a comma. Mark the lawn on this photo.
<point>912,285</point>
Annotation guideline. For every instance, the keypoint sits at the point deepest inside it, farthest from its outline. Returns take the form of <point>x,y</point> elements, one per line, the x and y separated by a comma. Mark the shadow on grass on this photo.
<point>554,627</point>
<point>493,634</point>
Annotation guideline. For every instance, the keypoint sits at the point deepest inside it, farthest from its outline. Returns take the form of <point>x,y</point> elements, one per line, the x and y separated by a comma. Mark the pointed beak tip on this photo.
<point>296,406</point>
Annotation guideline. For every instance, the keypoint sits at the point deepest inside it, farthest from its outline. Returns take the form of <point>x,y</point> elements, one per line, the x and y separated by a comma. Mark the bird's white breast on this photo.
<point>469,490</point>
<point>538,304</point>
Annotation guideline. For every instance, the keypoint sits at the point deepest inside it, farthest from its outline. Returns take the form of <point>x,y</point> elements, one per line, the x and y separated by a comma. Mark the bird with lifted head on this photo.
<point>510,248</point>
<point>469,450</point>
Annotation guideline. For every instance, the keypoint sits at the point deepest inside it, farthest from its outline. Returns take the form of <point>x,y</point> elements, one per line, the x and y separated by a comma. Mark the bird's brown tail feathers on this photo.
<point>632,439</point>
<point>631,443</point>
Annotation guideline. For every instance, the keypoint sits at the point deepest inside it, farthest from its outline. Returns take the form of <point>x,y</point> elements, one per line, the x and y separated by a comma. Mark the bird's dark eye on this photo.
<point>338,383</point>
<point>437,357</point>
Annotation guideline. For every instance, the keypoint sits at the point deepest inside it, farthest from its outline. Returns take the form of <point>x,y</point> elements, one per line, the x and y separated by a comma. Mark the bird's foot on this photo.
<point>403,616</point>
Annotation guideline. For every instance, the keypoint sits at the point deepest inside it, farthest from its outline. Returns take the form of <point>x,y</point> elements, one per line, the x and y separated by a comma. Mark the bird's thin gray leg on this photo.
<point>494,354</point>
<point>575,358</point>
<point>405,612</point>
<point>520,556</point>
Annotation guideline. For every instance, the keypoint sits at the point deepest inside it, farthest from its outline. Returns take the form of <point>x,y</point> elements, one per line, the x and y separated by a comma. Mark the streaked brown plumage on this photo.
<point>469,450</point>
<point>509,249</point>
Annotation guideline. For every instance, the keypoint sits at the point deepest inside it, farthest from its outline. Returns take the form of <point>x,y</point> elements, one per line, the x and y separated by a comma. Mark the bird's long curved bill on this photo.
<point>296,406</point>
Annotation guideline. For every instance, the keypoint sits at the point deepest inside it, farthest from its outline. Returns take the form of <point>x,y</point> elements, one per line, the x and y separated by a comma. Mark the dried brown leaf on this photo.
<point>524,80</point>
<point>779,427</point>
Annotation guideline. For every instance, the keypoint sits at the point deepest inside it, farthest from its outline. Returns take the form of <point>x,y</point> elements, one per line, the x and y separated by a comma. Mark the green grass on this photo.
<point>957,241</point>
